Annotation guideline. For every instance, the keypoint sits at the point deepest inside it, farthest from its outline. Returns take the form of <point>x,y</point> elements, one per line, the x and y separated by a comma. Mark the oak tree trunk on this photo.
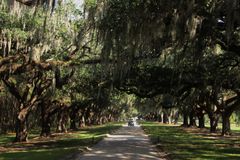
<point>165,118</point>
<point>45,117</point>
<point>192,119</point>
<point>21,129</point>
<point>82,122</point>
<point>159,118</point>
<point>226,126</point>
<point>73,118</point>
<point>185,120</point>
<point>201,121</point>
<point>61,125</point>
<point>213,124</point>
<point>46,126</point>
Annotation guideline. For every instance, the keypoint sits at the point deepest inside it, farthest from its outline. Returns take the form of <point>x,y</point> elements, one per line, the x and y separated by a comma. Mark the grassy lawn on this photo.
<point>55,147</point>
<point>193,144</point>
<point>235,129</point>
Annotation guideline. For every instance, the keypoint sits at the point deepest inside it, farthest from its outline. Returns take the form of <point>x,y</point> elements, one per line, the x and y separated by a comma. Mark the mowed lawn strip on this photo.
<point>55,147</point>
<point>193,144</point>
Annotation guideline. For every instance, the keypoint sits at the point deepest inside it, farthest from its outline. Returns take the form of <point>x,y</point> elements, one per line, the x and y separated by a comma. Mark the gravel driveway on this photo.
<point>127,143</point>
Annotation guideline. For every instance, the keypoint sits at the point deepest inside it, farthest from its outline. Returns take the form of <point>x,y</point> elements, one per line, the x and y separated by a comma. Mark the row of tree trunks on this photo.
<point>189,119</point>
<point>214,119</point>
<point>165,116</point>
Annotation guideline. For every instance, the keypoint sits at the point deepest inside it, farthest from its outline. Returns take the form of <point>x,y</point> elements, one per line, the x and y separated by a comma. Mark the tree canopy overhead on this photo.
<point>60,59</point>
<point>152,26</point>
<point>184,48</point>
<point>175,33</point>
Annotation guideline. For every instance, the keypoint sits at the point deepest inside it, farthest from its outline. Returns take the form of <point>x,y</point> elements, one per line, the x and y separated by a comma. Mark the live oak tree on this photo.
<point>69,62</point>
<point>27,70</point>
<point>186,35</point>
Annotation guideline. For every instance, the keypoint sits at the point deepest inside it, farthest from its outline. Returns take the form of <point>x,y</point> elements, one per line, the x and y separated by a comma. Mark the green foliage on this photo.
<point>124,104</point>
<point>90,3</point>
<point>145,47</point>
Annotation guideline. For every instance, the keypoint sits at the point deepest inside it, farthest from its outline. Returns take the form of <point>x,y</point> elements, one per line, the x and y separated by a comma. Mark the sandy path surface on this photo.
<point>127,143</point>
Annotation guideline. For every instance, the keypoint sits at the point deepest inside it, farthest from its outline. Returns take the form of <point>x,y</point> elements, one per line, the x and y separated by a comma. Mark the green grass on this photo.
<point>235,129</point>
<point>6,138</point>
<point>55,148</point>
<point>182,145</point>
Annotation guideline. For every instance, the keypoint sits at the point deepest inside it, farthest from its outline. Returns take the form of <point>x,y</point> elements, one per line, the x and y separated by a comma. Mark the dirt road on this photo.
<point>127,143</point>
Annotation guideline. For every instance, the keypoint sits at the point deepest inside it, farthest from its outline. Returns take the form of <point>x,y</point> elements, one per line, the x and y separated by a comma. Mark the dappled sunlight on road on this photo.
<point>128,143</point>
